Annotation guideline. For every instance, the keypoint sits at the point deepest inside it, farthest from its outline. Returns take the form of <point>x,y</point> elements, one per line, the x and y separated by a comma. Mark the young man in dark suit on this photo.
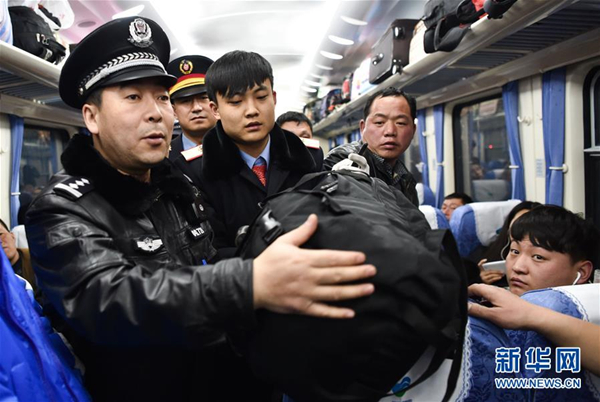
<point>246,157</point>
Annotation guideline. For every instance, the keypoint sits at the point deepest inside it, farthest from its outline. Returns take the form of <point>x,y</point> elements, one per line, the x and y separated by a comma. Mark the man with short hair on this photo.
<point>247,156</point>
<point>297,123</point>
<point>121,244</point>
<point>191,106</point>
<point>387,130</point>
<point>453,201</point>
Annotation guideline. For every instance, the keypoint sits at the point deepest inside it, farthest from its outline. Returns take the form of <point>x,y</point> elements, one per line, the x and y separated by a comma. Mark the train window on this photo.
<point>591,118</point>
<point>412,159</point>
<point>482,153</point>
<point>40,156</point>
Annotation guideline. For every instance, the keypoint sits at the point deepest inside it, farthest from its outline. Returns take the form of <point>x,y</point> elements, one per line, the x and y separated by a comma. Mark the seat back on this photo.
<point>475,380</point>
<point>435,217</point>
<point>579,301</point>
<point>477,224</point>
<point>425,194</point>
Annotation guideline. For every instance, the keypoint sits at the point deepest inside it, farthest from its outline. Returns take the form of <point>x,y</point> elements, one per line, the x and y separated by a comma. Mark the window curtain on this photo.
<point>438,119</point>
<point>423,144</point>
<point>510,97</point>
<point>16,135</point>
<point>553,121</point>
<point>355,136</point>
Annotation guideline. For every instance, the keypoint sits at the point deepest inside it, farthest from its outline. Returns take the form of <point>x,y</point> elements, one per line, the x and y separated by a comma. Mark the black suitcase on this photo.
<point>390,53</point>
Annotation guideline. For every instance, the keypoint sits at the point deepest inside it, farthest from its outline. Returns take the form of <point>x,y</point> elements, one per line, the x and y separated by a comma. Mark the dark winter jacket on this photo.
<point>121,262</point>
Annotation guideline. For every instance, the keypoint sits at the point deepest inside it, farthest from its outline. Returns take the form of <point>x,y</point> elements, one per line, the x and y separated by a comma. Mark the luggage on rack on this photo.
<point>312,110</point>
<point>390,53</point>
<point>419,300</point>
<point>32,34</point>
<point>330,101</point>
<point>447,20</point>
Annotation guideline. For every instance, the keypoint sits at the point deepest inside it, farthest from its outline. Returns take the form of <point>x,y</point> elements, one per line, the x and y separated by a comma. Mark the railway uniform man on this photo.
<point>191,106</point>
<point>122,249</point>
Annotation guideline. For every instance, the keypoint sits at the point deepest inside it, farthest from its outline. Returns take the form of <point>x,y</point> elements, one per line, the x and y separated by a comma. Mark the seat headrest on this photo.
<point>425,194</point>
<point>477,223</point>
<point>435,217</point>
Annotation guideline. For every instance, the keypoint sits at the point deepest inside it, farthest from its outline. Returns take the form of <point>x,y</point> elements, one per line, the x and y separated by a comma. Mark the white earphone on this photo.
<point>503,250</point>
<point>578,277</point>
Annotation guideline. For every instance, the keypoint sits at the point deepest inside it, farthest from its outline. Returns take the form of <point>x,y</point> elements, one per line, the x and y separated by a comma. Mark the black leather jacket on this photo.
<point>122,263</point>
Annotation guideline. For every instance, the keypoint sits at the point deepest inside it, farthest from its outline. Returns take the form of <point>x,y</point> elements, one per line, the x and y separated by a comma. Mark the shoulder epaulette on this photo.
<point>192,153</point>
<point>74,188</point>
<point>310,143</point>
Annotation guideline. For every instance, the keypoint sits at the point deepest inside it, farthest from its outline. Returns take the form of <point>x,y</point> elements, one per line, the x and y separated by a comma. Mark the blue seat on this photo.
<point>476,381</point>
<point>425,194</point>
<point>435,217</point>
<point>477,224</point>
<point>579,301</point>
<point>477,372</point>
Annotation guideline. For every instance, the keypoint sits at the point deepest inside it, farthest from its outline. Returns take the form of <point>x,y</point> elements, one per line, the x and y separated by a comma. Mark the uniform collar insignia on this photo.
<point>140,33</point>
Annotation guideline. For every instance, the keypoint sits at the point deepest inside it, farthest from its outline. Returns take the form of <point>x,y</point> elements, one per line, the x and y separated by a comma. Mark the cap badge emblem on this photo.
<point>140,33</point>
<point>186,66</point>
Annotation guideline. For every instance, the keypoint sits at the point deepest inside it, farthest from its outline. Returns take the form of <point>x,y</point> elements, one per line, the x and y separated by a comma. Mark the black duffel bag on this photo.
<point>32,34</point>
<point>420,297</point>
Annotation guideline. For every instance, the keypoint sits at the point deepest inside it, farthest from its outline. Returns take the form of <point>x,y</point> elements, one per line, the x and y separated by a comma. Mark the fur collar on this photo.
<point>126,194</point>
<point>221,157</point>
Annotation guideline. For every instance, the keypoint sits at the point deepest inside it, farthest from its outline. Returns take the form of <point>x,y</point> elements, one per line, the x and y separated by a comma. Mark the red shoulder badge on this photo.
<point>192,153</point>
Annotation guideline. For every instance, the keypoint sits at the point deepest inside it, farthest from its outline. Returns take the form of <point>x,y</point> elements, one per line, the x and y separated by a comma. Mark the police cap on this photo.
<point>121,50</point>
<point>190,72</point>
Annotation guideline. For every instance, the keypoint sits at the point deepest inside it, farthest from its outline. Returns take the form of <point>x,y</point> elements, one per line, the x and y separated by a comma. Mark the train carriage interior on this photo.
<point>511,113</point>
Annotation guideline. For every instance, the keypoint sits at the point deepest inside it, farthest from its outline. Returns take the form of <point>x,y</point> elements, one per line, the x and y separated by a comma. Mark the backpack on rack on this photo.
<point>32,34</point>
<point>419,300</point>
<point>447,20</point>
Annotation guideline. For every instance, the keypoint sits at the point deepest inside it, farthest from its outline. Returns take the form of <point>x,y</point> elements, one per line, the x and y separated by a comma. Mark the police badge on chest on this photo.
<point>148,244</point>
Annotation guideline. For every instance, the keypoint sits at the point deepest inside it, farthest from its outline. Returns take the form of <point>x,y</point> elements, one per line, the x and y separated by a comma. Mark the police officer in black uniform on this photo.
<point>121,246</point>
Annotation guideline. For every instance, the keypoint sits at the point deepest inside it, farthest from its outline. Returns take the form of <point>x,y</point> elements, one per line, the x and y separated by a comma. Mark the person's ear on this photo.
<point>274,97</point>
<point>585,268</point>
<point>90,117</point>
<point>214,108</point>
<point>361,125</point>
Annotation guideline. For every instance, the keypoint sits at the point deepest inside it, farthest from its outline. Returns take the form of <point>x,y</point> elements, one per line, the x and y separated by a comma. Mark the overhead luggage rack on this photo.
<point>29,88</point>
<point>520,41</point>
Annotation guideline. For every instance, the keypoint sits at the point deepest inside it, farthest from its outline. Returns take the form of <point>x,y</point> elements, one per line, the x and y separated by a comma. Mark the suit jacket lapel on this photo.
<point>275,178</point>
<point>176,147</point>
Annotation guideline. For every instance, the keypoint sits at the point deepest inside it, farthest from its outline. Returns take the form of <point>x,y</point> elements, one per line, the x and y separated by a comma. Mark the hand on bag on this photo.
<point>288,279</point>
